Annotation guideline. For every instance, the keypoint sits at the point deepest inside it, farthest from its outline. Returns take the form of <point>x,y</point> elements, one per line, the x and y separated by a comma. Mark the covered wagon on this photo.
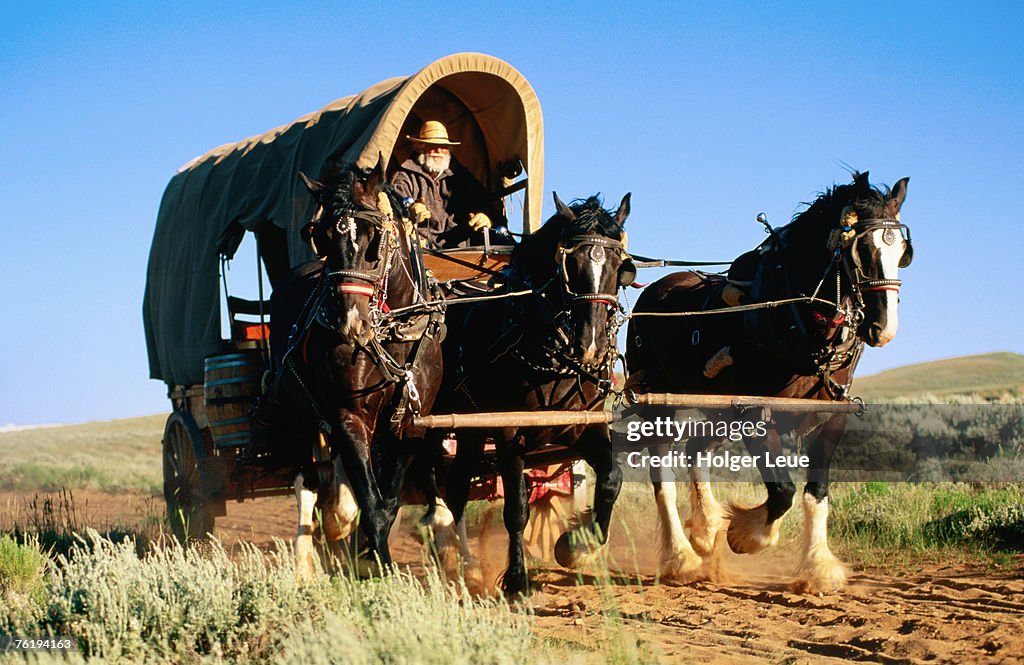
<point>252,186</point>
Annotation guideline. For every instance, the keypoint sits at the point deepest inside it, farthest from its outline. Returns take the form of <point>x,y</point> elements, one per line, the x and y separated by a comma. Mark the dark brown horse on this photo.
<point>550,350</point>
<point>356,366</point>
<point>838,260</point>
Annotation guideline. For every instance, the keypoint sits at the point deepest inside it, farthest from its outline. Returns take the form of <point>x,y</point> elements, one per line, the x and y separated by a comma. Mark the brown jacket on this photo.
<point>452,198</point>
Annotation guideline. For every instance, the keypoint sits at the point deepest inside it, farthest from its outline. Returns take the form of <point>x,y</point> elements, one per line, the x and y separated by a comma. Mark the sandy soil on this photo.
<point>938,612</point>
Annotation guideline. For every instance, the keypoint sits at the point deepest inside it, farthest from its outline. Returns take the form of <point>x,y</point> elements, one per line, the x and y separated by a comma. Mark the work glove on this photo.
<point>419,212</point>
<point>479,221</point>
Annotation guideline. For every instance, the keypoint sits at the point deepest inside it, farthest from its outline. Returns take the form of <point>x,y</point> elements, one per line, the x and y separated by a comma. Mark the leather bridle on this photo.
<point>850,236</point>
<point>373,285</point>
<point>575,244</point>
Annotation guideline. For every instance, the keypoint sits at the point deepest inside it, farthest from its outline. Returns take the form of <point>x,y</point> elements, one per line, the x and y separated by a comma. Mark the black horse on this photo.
<point>837,261</point>
<point>552,349</point>
<point>353,365</point>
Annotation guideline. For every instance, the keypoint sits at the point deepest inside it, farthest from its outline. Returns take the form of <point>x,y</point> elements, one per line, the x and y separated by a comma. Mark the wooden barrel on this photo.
<point>230,384</point>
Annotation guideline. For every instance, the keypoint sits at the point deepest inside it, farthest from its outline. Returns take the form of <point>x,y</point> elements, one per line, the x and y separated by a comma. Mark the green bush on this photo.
<point>22,581</point>
<point>919,517</point>
<point>177,605</point>
<point>21,566</point>
<point>990,521</point>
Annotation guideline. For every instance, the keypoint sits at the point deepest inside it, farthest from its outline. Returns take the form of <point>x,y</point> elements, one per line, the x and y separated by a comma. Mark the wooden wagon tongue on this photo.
<point>517,419</point>
<point>789,404</point>
<point>558,418</point>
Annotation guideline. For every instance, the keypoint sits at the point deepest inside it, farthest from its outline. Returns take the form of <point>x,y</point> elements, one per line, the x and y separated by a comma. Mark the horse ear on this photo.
<point>897,195</point>
<point>376,177</point>
<point>563,209</point>
<point>314,187</point>
<point>623,212</point>
<point>861,180</point>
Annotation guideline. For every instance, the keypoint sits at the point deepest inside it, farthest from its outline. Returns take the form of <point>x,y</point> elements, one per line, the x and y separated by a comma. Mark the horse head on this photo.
<point>354,232</point>
<point>591,265</point>
<point>873,245</point>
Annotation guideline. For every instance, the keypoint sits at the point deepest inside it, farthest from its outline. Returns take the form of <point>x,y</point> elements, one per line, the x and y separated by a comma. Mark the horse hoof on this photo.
<point>749,530</point>
<point>573,549</point>
<point>578,547</point>
<point>818,586</point>
<point>821,572</point>
<point>515,583</point>
<point>681,568</point>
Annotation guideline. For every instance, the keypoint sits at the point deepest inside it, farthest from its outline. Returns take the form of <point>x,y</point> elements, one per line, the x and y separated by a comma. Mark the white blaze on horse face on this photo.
<point>352,234</point>
<point>353,321</point>
<point>890,245</point>
<point>597,260</point>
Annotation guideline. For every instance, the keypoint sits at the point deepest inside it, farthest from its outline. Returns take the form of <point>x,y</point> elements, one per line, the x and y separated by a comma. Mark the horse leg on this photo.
<point>445,541</point>
<point>573,547</point>
<point>706,518</point>
<point>753,528</point>
<point>305,569</point>
<point>351,440</point>
<point>516,513</point>
<point>468,459</point>
<point>395,459</point>
<point>679,561</point>
<point>819,570</point>
<point>339,512</point>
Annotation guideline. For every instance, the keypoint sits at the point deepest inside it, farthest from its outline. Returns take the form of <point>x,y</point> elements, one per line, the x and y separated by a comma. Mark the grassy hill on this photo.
<point>990,374</point>
<point>110,455</point>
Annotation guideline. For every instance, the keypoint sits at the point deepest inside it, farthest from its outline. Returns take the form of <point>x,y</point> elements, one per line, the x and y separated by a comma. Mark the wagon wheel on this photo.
<point>187,511</point>
<point>550,516</point>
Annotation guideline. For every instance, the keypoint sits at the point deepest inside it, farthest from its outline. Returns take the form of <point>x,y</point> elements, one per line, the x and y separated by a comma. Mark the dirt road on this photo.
<point>939,612</point>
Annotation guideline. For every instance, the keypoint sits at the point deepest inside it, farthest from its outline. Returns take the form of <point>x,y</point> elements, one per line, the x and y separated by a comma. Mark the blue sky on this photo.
<point>708,113</point>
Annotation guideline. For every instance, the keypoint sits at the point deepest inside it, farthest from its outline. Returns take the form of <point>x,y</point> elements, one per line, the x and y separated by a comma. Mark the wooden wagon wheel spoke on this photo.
<point>187,511</point>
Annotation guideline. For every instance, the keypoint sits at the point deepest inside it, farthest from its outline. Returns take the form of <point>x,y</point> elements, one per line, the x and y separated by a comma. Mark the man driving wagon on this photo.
<point>450,208</point>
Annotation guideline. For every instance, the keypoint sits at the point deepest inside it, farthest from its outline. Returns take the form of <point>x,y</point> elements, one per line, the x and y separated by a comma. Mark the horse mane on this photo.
<point>339,189</point>
<point>823,213</point>
<point>533,256</point>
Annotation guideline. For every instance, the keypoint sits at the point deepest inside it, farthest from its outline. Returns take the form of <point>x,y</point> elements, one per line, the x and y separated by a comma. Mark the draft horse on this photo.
<point>358,353</point>
<point>550,350</point>
<point>839,259</point>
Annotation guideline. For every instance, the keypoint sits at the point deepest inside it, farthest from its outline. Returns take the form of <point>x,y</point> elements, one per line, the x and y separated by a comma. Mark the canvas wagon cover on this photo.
<point>485,102</point>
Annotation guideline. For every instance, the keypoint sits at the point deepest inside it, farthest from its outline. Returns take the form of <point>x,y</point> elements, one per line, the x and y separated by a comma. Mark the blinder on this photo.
<point>627,273</point>
<point>908,253</point>
<point>848,236</point>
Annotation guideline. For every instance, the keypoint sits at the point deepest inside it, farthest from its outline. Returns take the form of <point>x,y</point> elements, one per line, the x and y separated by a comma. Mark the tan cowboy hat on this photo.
<point>433,133</point>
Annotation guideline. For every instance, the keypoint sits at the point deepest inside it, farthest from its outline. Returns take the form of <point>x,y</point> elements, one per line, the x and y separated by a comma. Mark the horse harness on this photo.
<point>554,356</point>
<point>409,325</point>
<point>843,242</point>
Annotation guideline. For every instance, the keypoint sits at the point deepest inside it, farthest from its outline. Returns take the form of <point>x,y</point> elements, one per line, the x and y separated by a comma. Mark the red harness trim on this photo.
<point>357,289</point>
<point>839,319</point>
<point>882,288</point>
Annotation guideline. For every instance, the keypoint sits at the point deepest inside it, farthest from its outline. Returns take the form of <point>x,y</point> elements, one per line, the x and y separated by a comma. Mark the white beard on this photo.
<point>435,165</point>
